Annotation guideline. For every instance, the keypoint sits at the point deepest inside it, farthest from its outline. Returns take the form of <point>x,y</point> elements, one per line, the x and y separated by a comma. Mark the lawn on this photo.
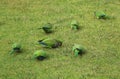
<point>20,20</point>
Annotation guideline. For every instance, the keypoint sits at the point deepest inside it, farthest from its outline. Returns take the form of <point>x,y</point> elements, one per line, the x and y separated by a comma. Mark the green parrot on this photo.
<point>39,54</point>
<point>50,43</point>
<point>74,25</point>
<point>16,48</point>
<point>78,50</point>
<point>47,28</point>
<point>100,15</point>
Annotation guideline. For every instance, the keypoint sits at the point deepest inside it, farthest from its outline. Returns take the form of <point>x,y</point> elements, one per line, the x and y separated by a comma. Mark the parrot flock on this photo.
<point>54,43</point>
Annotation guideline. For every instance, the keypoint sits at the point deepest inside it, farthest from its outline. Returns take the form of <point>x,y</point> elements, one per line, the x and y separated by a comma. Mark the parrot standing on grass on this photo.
<point>78,50</point>
<point>39,54</point>
<point>100,15</point>
<point>47,28</point>
<point>16,48</point>
<point>50,43</point>
<point>74,25</point>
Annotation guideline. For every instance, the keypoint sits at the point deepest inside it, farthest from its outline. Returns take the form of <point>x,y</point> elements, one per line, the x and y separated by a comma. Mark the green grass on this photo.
<point>19,20</point>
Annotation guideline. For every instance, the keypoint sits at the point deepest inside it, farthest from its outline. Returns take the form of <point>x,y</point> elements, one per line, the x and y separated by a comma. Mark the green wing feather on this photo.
<point>47,26</point>
<point>39,53</point>
<point>76,52</point>
<point>16,45</point>
<point>49,42</point>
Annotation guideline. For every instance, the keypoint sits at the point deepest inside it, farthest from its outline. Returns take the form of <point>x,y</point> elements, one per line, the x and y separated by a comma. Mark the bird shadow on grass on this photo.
<point>107,18</point>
